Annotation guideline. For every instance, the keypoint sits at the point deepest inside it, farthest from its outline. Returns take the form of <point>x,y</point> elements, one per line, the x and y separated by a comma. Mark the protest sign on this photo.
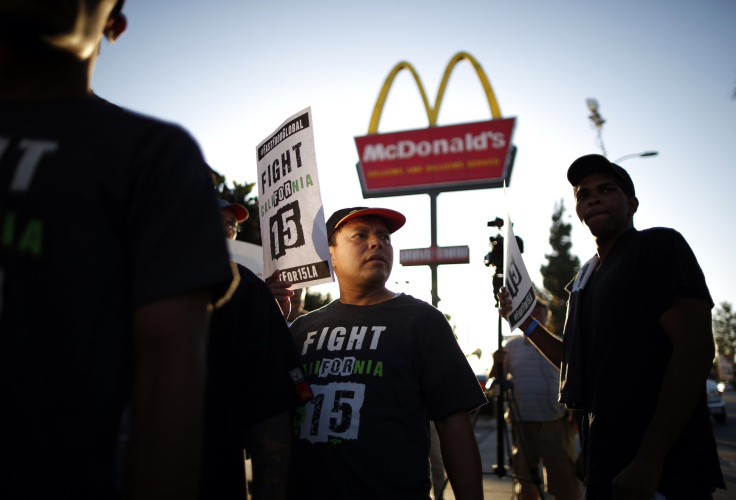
<point>516,280</point>
<point>290,204</point>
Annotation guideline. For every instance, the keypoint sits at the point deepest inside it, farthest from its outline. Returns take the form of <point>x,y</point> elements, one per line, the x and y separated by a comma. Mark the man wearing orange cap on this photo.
<point>253,383</point>
<point>381,366</point>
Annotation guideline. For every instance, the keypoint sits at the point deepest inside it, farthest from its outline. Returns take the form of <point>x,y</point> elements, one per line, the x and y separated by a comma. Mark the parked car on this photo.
<point>715,403</point>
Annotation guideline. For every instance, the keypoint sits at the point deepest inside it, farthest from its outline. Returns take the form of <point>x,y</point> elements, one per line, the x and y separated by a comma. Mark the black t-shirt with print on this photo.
<point>101,211</point>
<point>379,373</point>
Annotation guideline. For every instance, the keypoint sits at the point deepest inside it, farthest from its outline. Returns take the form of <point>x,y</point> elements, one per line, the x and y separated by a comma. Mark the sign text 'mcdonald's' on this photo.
<point>463,156</point>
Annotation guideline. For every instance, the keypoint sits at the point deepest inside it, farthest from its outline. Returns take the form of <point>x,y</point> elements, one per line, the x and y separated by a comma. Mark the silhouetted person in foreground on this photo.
<point>103,290</point>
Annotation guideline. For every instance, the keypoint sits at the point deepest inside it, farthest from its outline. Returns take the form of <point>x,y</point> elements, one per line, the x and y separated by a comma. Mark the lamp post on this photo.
<point>597,120</point>
<point>637,155</point>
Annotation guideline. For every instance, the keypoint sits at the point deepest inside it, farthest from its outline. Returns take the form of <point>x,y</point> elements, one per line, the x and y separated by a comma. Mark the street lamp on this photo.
<point>637,155</point>
<point>597,120</point>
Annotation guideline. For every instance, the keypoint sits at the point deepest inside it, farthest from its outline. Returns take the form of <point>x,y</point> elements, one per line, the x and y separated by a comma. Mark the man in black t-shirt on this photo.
<point>381,366</point>
<point>636,350</point>
<point>253,383</point>
<point>103,296</point>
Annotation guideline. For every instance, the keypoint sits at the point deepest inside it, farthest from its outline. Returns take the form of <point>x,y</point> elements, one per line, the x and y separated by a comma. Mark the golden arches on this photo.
<point>433,112</point>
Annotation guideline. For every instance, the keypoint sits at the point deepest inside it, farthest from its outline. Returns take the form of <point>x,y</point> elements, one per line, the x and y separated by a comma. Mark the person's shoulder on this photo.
<point>412,306</point>
<point>248,276</point>
<point>129,125</point>
<point>659,232</point>
<point>404,299</point>
<point>327,309</point>
<point>660,236</point>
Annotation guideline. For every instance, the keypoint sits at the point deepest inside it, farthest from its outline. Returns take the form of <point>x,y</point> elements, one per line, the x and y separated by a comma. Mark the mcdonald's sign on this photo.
<point>448,158</point>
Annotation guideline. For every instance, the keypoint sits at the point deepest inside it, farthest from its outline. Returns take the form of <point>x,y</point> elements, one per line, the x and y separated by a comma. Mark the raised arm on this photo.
<point>687,325</point>
<point>281,291</point>
<point>548,344</point>
<point>163,459</point>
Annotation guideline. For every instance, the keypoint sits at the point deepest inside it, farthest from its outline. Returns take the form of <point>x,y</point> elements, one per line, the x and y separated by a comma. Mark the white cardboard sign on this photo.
<point>290,204</point>
<point>516,279</point>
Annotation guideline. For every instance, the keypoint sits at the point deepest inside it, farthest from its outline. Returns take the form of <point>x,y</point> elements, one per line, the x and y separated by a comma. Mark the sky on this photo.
<point>663,73</point>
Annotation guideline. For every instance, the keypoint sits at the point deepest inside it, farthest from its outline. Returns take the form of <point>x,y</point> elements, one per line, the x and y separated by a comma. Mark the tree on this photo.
<point>560,269</point>
<point>724,328</point>
<point>250,229</point>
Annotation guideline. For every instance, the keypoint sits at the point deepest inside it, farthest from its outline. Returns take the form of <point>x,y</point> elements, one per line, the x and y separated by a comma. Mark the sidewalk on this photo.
<point>494,486</point>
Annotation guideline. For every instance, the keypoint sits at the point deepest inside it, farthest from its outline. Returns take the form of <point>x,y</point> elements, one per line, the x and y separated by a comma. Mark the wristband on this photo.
<point>531,327</point>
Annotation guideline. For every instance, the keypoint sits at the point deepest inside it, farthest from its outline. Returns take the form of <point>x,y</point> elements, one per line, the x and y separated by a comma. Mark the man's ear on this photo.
<point>332,257</point>
<point>633,205</point>
<point>115,26</point>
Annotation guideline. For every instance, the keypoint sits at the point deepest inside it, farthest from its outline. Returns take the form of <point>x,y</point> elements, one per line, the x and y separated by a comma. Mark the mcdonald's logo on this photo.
<point>448,158</point>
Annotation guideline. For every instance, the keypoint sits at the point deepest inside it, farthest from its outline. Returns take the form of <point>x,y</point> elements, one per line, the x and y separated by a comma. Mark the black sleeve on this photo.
<point>449,384</point>
<point>671,269</point>
<point>174,225</point>
<point>270,389</point>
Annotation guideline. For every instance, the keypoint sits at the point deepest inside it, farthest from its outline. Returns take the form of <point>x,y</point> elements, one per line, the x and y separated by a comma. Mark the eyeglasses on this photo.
<point>232,225</point>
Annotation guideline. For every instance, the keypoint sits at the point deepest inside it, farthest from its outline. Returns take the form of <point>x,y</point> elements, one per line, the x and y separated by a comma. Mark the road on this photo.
<point>726,441</point>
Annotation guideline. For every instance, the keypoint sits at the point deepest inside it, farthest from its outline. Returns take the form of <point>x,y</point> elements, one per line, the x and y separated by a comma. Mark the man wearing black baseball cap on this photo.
<point>381,366</point>
<point>637,349</point>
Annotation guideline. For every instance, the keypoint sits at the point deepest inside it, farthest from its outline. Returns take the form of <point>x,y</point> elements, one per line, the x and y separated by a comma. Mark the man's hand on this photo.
<point>499,359</point>
<point>638,481</point>
<point>504,303</point>
<point>500,356</point>
<point>281,291</point>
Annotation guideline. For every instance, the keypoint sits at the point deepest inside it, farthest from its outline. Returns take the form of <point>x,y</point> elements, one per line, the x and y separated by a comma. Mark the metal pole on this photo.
<point>433,243</point>
<point>500,468</point>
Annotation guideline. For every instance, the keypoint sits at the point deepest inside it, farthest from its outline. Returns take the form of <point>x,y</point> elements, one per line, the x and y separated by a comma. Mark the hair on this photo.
<point>331,240</point>
<point>118,7</point>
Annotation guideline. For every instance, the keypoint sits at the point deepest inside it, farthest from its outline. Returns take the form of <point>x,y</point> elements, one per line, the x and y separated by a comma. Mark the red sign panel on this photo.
<point>453,157</point>
<point>435,255</point>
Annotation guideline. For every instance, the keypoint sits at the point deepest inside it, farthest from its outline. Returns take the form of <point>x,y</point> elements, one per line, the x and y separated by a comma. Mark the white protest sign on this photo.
<point>290,204</point>
<point>516,280</point>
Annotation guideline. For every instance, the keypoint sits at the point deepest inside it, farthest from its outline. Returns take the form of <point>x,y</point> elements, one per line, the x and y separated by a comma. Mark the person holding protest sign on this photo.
<point>543,430</point>
<point>103,293</point>
<point>381,365</point>
<point>297,306</point>
<point>253,383</point>
<point>640,303</point>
